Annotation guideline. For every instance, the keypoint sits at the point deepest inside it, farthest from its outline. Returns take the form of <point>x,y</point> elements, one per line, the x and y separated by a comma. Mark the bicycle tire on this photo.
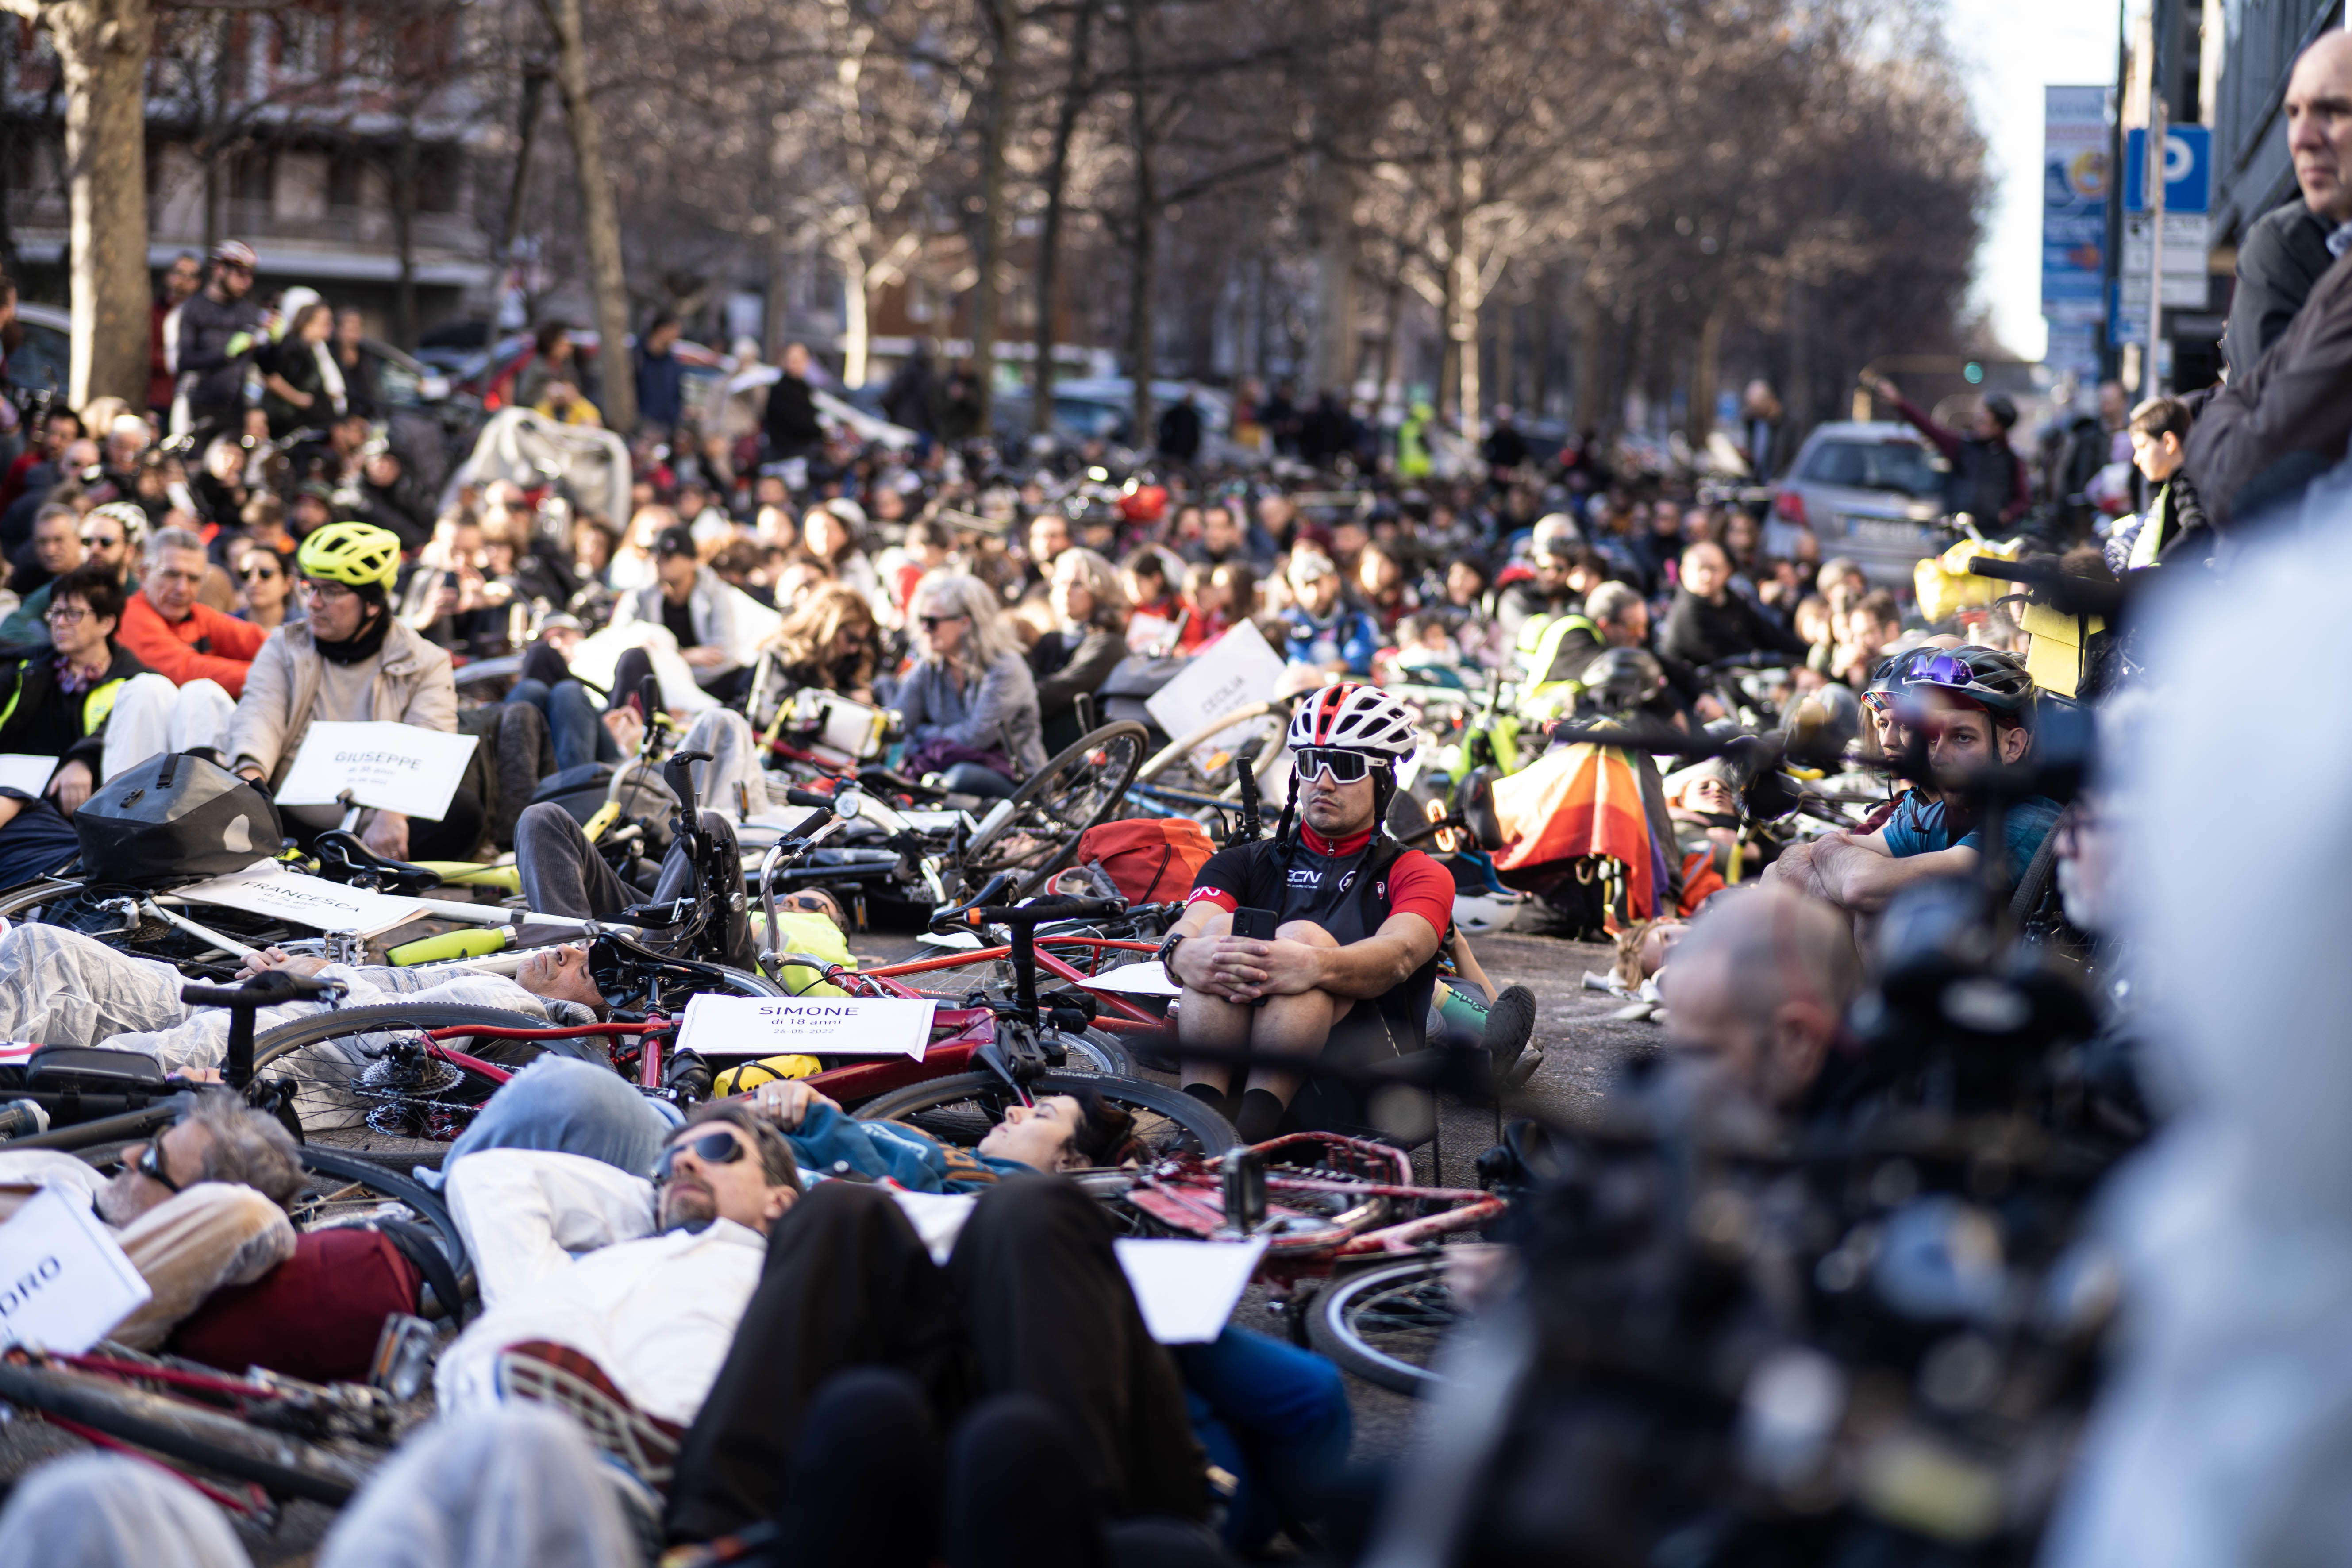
<point>339,1095</point>
<point>1406,1305</point>
<point>285,1465</point>
<point>1175,751</point>
<point>1048,781</point>
<point>961,1105</point>
<point>348,1166</point>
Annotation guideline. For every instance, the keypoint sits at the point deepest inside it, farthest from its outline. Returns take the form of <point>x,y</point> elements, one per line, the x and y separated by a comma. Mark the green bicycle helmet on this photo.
<point>359,554</point>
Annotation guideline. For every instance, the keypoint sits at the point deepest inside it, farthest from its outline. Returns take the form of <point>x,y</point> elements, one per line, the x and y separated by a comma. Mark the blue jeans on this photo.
<point>569,1107</point>
<point>973,778</point>
<point>580,736</point>
<point>1274,1415</point>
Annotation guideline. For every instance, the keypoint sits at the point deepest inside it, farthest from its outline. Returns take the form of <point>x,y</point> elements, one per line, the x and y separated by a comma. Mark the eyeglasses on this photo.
<point>711,1149</point>
<point>318,590</point>
<point>259,573</point>
<point>150,1164</point>
<point>100,542</point>
<point>1341,767</point>
<point>934,623</point>
<point>65,615</point>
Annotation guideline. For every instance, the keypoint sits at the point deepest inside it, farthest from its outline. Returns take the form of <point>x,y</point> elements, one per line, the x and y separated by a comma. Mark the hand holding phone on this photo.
<point>1257,925</point>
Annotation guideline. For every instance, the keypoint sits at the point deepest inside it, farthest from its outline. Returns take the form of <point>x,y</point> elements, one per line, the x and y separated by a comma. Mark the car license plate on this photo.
<point>1888,534</point>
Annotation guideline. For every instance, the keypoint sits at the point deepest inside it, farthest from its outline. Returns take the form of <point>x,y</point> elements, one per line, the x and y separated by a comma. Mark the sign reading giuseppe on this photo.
<point>815,1025</point>
<point>65,1282</point>
<point>394,767</point>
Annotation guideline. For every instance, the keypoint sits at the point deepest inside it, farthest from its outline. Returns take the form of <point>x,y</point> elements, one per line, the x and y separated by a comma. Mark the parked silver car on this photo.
<point>1871,491</point>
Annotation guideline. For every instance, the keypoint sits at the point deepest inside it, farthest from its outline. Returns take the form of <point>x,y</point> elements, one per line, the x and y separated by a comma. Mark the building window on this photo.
<point>249,174</point>
<point>438,172</point>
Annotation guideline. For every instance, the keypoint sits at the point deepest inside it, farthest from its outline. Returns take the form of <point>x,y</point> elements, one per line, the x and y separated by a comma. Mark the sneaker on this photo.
<point>1510,1024</point>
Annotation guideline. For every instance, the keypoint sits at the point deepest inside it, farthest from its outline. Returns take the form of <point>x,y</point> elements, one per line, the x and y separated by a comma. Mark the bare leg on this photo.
<point>1295,1025</point>
<point>1206,1019</point>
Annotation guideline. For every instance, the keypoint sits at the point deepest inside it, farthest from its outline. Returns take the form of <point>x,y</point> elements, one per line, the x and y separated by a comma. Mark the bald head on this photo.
<point>2319,125</point>
<point>1759,984</point>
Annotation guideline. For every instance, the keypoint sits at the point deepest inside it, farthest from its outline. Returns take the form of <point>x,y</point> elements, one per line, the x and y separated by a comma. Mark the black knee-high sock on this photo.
<point>1214,1098</point>
<point>1258,1116</point>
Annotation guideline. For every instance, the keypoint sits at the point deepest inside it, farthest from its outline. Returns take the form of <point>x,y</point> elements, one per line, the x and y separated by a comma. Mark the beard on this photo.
<point>687,1207</point>
<point>117,1205</point>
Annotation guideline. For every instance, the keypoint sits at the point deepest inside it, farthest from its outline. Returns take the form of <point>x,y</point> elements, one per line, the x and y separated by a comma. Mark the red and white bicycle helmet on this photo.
<point>1352,717</point>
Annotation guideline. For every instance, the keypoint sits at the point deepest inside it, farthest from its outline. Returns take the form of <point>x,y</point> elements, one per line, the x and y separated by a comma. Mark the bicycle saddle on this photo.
<point>343,858</point>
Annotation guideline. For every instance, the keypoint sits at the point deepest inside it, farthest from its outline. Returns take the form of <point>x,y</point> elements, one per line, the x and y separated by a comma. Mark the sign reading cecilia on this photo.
<point>814,1025</point>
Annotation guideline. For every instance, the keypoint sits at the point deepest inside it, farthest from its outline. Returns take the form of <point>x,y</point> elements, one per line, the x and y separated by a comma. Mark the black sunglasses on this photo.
<point>934,623</point>
<point>1345,767</point>
<point>264,572</point>
<point>150,1164</point>
<point>711,1149</point>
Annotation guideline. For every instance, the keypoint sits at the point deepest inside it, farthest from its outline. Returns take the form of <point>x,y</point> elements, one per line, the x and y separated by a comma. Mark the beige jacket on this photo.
<point>412,684</point>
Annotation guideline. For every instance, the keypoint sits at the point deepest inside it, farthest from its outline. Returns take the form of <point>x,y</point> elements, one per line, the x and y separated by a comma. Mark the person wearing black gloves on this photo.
<point>219,328</point>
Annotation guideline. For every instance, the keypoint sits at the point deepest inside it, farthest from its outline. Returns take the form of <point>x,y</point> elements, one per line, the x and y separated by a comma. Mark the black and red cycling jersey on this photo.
<point>1350,888</point>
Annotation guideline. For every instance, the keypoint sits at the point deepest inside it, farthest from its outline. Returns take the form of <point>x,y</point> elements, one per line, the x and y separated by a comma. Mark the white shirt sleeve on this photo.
<point>524,1212</point>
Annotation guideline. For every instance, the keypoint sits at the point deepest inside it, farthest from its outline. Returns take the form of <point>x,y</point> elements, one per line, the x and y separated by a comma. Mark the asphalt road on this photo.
<point>1582,1045</point>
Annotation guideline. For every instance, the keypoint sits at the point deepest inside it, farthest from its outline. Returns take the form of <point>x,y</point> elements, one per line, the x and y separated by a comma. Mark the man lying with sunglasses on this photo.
<point>199,1206</point>
<point>1355,920</point>
<point>1972,705</point>
<point>554,1167</point>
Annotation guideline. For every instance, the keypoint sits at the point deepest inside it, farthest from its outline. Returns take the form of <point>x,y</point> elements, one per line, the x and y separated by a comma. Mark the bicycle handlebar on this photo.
<point>264,990</point>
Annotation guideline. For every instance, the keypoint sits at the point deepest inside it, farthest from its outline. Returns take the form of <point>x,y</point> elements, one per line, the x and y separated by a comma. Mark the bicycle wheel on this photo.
<point>281,1464</point>
<point>960,1110</point>
<point>1385,1324</point>
<point>1069,795</point>
<point>345,1184</point>
<point>373,1070</point>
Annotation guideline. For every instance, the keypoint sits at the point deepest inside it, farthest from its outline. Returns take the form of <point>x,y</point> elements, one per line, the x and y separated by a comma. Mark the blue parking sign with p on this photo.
<point>2187,170</point>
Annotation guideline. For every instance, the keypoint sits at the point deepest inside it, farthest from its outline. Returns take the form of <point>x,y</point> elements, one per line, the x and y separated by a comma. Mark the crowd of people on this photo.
<point>885,1348</point>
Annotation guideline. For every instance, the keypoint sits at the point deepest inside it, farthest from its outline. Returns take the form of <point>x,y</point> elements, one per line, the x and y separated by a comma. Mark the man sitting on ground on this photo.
<point>1973,706</point>
<point>199,1206</point>
<point>172,633</point>
<point>1358,918</point>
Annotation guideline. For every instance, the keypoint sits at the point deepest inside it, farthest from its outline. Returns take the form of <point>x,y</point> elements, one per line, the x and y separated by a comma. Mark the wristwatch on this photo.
<point>1167,956</point>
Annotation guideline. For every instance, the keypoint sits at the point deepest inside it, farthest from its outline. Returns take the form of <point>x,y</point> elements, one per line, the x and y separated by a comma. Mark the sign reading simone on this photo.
<point>394,767</point>
<point>815,1025</point>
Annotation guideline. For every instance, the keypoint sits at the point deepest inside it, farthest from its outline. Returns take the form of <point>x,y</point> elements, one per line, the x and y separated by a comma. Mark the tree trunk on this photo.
<point>1797,402</point>
<point>1449,311</point>
<point>857,326</point>
<point>1592,359</point>
<point>600,217</point>
<point>1049,236</point>
<point>1004,23</point>
<point>403,235</point>
<point>1706,370</point>
<point>1336,347</point>
<point>1507,359</point>
<point>534,88</point>
<point>1141,347</point>
<point>102,45</point>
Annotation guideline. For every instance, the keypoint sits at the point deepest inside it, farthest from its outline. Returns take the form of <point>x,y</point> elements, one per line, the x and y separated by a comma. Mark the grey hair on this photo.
<point>245,1147</point>
<point>1779,948</point>
<point>172,538</point>
<point>1099,578</point>
<point>990,639</point>
<point>1607,605</point>
<point>55,508</point>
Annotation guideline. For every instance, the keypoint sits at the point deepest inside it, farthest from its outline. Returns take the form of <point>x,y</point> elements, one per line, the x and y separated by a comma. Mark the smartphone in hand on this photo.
<point>1257,925</point>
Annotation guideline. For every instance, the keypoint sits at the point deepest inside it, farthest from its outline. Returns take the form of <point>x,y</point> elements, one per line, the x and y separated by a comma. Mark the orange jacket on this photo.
<point>206,646</point>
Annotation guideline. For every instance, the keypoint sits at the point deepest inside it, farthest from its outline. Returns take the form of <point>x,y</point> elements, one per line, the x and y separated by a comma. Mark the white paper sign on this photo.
<point>1232,672</point>
<point>1187,1288</point>
<point>64,1280</point>
<point>1144,979</point>
<point>1148,633</point>
<point>816,1026</point>
<point>30,774</point>
<point>268,889</point>
<point>396,767</point>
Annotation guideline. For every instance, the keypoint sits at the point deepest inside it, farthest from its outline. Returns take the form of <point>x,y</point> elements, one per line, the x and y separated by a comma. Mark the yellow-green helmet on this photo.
<point>358,553</point>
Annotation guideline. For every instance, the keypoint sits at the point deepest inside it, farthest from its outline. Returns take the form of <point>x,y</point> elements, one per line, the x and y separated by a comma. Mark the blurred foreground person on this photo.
<point>2225,1435</point>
